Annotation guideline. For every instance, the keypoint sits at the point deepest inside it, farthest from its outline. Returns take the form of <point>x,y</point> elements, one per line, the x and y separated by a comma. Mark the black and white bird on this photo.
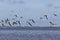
<point>19,22</point>
<point>32,20</point>
<point>15,15</point>
<point>2,22</point>
<point>29,23</point>
<point>46,17</point>
<point>52,23</point>
<point>21,17</point>
<point>14,23</point>
<point>7,20</point>
<point>9,24</point>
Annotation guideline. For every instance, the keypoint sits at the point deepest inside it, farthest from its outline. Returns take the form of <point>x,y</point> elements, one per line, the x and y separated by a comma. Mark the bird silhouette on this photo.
<point>32,20</point>
<point>46,17</point>
<point>29,23</point>
<point>6,21</point>
<point>21,17</point>
<point>14,23</point>
<point>15,15</point>
<point>55,14</point>
<point>2,23</point>
<point>9,23</point>
<point>51,23</point>
<point>18,22</point>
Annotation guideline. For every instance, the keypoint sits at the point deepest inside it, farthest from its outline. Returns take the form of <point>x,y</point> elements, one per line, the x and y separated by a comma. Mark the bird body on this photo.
<point>15,15</point>
<point>14,23</point>
<point>55,14</point>
<point>18,22</point>
<point>29,23</point>
<point>46,17</point>
<point>9,23</point>
<point>32,20</point>
<point>51,23</point>
<point>2,23</point>
<point>7,20</point>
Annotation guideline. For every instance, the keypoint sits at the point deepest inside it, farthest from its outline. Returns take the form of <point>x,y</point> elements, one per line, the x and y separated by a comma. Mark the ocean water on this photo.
<point>29,35</point>
<point>29,32</point>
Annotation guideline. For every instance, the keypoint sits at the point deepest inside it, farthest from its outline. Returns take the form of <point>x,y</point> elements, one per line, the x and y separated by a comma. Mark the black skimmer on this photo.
<point>21,17</point>
<point>46,17</point>
<point>2,23</point>
<point>9,23</point>
<point>32,20</point>
<point>18,22</point>
<point>51,23</point>
<point>15,15</point>
<point>7,20</point>
<point>14,23</point>
<point>29,23</point>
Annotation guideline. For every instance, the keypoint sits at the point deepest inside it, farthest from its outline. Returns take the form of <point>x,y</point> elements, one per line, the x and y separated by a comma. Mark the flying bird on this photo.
<point>32,20</point>
<point>14,23</point>
<point>18,22</point>
<point>29,23</point>
<point>6,21</point>
<point>2,23</point>
<point>21,17</point>
<point>15,15</point>
<point>9,23</point>
<point>55,14</point>
<point>51,23</point>
<point>46,17</point>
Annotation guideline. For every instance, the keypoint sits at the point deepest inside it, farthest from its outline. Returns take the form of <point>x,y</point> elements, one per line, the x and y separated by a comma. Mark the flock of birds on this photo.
<point>51,22</point>
<point>7,21</point>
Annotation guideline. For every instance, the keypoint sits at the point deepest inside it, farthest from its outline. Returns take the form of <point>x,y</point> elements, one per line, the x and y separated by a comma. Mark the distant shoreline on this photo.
<point>29,28</point>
